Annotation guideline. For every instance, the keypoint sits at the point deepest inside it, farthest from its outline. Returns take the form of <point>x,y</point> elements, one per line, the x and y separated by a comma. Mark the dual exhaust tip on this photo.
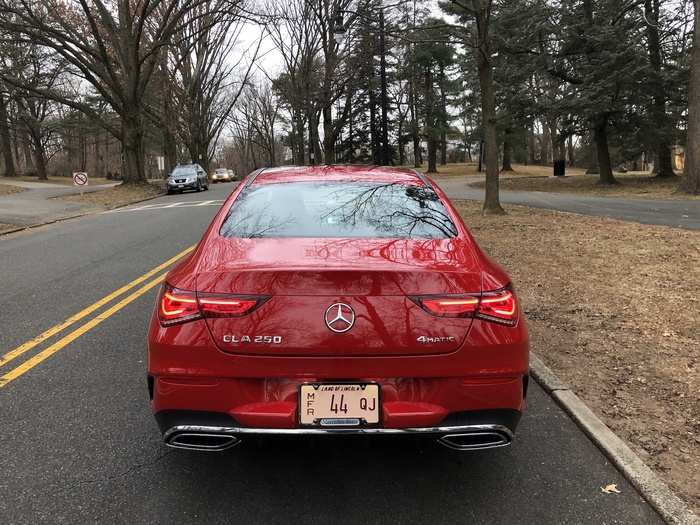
<point>218,441</point>
<point>205,441</point>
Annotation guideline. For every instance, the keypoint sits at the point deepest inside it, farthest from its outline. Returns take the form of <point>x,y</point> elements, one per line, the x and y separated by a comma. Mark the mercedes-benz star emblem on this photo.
<point>340,317</point>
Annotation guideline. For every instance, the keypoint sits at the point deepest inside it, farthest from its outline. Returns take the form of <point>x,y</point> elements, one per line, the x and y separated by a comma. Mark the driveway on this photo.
<point>676,213</point>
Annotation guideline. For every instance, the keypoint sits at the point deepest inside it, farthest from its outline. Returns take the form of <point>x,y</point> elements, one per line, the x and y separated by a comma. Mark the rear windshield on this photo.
<point>184,171</point>
<point>338,209</point>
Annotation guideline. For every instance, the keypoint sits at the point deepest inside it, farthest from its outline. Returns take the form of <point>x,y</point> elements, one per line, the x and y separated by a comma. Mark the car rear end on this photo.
<point>346,302</point>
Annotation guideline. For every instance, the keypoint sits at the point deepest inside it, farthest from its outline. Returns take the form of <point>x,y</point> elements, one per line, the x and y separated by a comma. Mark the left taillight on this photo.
<point>177,306</point>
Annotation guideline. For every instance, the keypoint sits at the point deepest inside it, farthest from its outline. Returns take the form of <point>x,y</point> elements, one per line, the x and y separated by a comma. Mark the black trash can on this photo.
<point>559,168</point>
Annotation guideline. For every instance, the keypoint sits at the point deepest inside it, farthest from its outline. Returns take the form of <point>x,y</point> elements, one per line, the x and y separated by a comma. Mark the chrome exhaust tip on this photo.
<point>202,441</point>
<point>475,440</point>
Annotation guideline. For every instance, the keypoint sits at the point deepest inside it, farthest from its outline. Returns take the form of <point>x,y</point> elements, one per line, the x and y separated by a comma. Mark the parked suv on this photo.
<point>188,177</point>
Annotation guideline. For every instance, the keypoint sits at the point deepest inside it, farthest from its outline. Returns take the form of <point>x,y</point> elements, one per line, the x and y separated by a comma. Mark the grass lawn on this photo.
<point>67,181</point>
<point>116,196</point>
<point>469,169</point>
<point>633,184</point>
<point>6,227</point>
<point>8,189</point>
<point>613,308</point>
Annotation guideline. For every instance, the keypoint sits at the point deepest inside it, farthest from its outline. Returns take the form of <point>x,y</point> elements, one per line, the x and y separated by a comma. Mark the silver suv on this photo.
<point>187,177</point>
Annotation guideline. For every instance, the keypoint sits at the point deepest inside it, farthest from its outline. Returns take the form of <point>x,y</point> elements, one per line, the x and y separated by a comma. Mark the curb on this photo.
<point>669,506</point>
<point>69,217</point>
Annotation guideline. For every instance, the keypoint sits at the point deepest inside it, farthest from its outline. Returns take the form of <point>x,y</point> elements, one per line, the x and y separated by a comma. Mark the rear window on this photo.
<point>338,209</point>
<point>184,171</point>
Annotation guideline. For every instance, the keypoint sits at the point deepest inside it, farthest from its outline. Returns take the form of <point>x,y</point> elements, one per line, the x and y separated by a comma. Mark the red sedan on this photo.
<point>337,300</point>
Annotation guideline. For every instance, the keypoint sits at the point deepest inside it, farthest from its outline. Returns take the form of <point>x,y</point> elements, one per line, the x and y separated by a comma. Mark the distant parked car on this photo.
<point>233,175</point>
<point>187,177</point>
<point>221,175</point>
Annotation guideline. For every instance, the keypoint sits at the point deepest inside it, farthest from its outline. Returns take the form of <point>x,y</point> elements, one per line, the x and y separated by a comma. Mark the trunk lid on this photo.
<point>306,280</point>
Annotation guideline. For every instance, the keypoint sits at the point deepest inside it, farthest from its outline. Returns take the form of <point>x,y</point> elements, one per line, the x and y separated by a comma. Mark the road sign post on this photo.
<point>80,178</point>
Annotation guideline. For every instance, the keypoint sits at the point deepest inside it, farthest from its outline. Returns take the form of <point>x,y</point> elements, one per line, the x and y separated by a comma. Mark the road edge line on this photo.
<point>655,491</point>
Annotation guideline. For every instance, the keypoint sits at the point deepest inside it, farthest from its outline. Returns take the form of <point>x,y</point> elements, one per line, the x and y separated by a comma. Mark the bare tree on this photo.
<point>208,83</point>
<point>292,27</point>
<point>260,108</point>
<point>112,45</point>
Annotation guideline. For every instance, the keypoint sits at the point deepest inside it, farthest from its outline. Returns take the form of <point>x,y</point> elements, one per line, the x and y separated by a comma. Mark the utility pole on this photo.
<point>384,156</point>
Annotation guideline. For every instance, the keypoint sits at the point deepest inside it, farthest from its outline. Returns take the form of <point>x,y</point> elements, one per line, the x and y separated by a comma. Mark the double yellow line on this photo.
<point>38,358</point>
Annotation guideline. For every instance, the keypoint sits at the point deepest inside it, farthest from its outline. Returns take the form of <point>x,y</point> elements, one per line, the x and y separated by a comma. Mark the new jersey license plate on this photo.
<point>339,404</point>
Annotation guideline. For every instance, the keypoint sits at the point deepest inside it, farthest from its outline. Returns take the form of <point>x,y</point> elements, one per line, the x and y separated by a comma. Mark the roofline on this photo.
<point>420,176</point>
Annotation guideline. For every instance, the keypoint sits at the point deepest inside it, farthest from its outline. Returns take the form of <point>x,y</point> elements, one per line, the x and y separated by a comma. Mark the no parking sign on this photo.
<point>80,178</point>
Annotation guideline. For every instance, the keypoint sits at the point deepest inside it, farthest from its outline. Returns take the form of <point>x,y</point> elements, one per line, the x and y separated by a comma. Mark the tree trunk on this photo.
<point>443,118</point>
<point>385,153</point>
<point>133,154</point>
<point>417,158</point>
<point>430,122</point>
<point>507,151</point>
<point>5,143</point>
<point>299,137</point>
<point>373,132</point>
<point>328,136</point>
<point>601,141</point>
<point>570,148</point>
<point>531,159</point>
<point>663,166</point>
<point>29,168</point>
<point>691,181</point>
<point>492,204</point>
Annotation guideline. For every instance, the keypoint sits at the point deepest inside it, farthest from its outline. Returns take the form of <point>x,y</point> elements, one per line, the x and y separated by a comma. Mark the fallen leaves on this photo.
<point>610,489</point>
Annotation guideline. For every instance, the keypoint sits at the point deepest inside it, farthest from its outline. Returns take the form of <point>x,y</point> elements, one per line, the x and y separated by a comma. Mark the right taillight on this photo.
<point>498,306</point>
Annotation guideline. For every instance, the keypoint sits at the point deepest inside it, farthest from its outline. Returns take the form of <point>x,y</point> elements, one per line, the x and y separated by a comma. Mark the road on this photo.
<point>676,213</point>
<point>78,442</point>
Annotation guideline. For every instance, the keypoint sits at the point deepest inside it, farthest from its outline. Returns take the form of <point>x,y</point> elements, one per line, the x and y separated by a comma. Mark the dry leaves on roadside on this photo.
<point>610,489</point>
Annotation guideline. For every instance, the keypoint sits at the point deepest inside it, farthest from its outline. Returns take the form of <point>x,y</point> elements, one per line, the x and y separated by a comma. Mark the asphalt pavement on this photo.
<point>78,442</point>
<point>678,213</point>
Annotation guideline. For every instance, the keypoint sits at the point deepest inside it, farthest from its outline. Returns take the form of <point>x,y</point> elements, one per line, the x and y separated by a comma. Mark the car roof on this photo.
<point>339,173</point>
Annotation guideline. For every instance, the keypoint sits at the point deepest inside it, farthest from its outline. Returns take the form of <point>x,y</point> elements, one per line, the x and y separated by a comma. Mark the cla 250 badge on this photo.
<point>261,339</point>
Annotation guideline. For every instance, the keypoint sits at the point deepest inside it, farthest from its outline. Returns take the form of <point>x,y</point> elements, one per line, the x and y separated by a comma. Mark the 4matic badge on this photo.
<point>427,340</point>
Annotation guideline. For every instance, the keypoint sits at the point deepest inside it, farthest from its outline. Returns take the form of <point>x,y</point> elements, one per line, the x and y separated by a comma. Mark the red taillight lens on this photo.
<point>177,306</point>
<point>498,306</point>
<point>451,307</point>
<point>180,306</point>
<point>227,305</point>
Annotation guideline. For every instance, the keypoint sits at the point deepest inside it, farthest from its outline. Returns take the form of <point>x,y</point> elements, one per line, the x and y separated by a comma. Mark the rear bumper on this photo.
<point>214,432</point>
<point>272,403</point>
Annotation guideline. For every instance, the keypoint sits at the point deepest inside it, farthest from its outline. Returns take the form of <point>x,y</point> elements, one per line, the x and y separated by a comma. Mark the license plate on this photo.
<point>339,404</point>
<point>180,185</point>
